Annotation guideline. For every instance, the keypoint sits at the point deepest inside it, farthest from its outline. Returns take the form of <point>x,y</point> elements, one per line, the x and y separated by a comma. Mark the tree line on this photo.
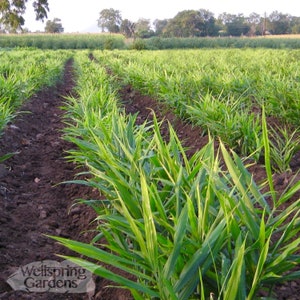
<point>200,23</point>
<point>187,23</point>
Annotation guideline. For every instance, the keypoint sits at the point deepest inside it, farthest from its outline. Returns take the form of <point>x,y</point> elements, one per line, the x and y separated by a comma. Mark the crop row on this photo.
<point>184,228</point>
<point>118,41</point>
<point>63,41</point>
<point>223,92</point>
<point>22,73</point>
<point>284,42</point>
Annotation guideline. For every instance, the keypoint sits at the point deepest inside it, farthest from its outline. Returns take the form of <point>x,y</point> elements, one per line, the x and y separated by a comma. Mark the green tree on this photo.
<point>226,18</point>
<point>208,20</point>
<point>191,23</point>
<point>185,24</point>
<point>12,11</point>
<point>159,26</point>
<point>127,28</point>
<point>235,25</point>
<point>279,23</point>
<point>110,20</point>
<point>295,25</point>
<point>255,22</point>
<point>54,26</point>
<point>239,26</point>
<point>143,28</point>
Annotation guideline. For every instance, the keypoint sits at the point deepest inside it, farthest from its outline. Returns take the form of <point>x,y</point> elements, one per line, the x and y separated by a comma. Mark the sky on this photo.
<point>82,15</point>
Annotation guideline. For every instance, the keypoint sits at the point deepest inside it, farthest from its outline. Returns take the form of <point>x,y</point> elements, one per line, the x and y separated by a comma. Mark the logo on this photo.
<point>52,277</point>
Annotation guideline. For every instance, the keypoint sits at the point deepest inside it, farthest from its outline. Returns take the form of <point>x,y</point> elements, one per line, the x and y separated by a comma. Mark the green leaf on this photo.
<point>234,286</point>
<point>7,156</point>
<point>194,263</point>
<point>260,269</point>
<point>266,144</point>
<point>105,273</point>
<point>101,255</point>
<point>179,235</point>
<point>150,231</point>
<point>245,209</point>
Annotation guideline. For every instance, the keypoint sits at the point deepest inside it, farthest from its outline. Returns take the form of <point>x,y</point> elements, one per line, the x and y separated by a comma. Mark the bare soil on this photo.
<point>34,203</point>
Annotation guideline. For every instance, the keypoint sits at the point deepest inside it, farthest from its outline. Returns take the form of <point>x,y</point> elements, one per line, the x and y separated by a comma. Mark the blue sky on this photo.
<point>82,15</point>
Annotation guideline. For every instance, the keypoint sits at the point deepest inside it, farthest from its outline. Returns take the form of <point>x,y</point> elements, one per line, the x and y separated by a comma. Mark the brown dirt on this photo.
<point>32,204</point>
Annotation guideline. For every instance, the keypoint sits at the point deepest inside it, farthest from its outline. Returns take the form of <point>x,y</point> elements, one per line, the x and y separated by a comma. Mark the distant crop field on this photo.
<point>62,41</point>
<point>103,41</point>
<point>283,36</point>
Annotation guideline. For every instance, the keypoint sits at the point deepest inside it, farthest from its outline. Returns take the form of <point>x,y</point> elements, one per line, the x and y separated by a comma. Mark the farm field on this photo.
<point>222,91</point>
<point>63,41</point>
<point>22,73</point>
<point>182,224</point>
<point>102,41</point>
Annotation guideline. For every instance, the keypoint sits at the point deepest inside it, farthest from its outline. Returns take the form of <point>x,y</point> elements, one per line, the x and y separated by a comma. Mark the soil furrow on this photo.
<point>31,201</point>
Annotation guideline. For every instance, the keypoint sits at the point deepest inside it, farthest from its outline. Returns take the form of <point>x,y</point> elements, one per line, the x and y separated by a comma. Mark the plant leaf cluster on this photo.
<point>182,228</point>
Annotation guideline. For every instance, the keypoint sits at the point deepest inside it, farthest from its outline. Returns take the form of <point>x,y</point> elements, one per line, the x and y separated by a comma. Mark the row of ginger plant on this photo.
<point>183,228</point>
<point>222,91</point>
<point>22,73</point>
